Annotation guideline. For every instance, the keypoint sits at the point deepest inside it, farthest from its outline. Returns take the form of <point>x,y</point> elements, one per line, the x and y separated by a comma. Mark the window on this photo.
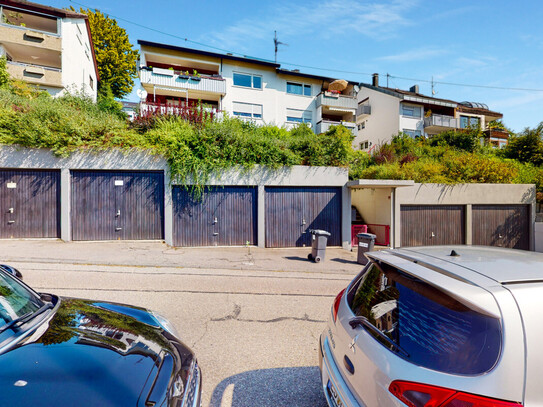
<point>362,126</point>
<point>365,145</point>
<point>248,81</point>
<point>412,133</point>
<point>469,121</point>
<point>91,82</point>
<point>298,116</point>
<point>423,324</point>
<point>247,110</point>
<point>411,111</point>
<point>298,89</point>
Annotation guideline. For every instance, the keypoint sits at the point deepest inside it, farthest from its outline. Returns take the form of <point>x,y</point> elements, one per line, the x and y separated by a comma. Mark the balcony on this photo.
<point>13,35</point>
<point>323,126</point>
<point>337,101</point>
<point>438,123</point>
<point>363,111</point>
<point>166,78</point>
<point>36,74</point>
<point>176,110</point>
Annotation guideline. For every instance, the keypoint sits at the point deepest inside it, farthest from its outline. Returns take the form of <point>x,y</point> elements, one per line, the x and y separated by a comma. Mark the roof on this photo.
<point>479,110</point>
<point>40,8</point>
<point>411,96</point>
<point>496,264</point>
<point>209,54</point>
<point>310,76</point>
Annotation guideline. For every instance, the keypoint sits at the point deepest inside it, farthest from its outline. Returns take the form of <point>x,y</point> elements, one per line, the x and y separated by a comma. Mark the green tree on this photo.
<point>527,146</point>
<point>4,75</point>
<point>115,57</point>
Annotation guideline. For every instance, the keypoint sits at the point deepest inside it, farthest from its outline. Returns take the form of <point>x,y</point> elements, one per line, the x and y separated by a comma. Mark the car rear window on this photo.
<point>428,327</point>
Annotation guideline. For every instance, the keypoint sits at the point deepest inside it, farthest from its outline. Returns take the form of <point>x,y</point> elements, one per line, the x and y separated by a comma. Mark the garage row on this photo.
<point>129,205</point>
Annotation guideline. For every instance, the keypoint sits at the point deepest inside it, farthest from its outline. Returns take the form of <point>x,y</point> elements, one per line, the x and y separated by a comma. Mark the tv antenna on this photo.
<point>276,42</point>
<point>433,87</point>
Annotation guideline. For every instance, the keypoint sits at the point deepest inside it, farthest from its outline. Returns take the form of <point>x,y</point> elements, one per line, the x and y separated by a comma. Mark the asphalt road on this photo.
<point>255,332</point>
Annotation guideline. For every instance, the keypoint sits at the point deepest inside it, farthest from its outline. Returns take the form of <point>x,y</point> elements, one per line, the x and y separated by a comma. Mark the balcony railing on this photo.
<point>167,108</point>
<point>323,126</point>
<point>337,101</point>
<point>170,79</point>
<point>35,74</point>
<point>26,37</point>
<point>438,122</point>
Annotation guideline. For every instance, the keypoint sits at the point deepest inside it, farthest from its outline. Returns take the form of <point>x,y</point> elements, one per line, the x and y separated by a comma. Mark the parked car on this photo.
<point>437,326</point>
<point>58,351</point>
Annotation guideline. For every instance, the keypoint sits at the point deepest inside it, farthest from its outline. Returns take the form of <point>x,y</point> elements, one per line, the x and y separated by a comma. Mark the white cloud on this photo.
<point>329,18</point>
<point>414,55</point>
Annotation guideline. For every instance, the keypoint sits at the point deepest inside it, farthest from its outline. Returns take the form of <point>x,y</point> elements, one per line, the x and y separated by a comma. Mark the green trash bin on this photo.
<point>319,238</point>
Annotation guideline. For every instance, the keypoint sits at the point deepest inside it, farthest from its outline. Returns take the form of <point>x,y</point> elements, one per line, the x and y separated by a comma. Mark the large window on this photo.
<point>298,89</point>
<point>411,111</point>
<point>247,110</point>
<point>412,133</point>
<point>469,121</point>
<point>247,80</point>
<point>298,116</point>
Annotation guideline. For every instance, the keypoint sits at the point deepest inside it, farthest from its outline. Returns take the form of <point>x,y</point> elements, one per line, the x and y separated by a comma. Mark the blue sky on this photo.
<point>490,43</point>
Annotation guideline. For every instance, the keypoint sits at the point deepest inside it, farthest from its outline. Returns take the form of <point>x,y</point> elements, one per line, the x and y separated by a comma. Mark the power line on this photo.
<point>432,82</point>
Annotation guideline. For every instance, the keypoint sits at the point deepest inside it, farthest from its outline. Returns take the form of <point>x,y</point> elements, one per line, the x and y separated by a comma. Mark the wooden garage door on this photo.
<point>30,203</point>
<point>117,205</point>
<point>430,225</point>
<point>223,216</point>
<point>292,211</point>
<point>501,225</point>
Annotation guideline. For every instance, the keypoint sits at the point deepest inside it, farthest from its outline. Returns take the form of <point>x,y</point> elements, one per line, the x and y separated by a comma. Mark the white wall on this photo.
<point>374,205</point>
<point>384,122</point>
<point>273,96</point>
<point>411,123</point>
<point>77,61</point>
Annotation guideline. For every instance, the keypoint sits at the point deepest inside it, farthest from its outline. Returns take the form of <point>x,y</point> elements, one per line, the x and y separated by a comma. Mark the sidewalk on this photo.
<point>158,254</point>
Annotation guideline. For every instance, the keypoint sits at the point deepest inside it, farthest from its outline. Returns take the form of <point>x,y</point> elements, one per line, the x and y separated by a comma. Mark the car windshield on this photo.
<point>15,300</point>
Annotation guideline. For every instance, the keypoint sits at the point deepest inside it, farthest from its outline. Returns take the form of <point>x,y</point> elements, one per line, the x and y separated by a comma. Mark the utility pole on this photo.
<point>276,42</point>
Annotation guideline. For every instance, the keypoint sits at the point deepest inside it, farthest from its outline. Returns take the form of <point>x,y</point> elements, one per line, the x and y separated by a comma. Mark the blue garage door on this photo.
<point>292,211</point>
<point>117,205</point>
<point>223,216</point>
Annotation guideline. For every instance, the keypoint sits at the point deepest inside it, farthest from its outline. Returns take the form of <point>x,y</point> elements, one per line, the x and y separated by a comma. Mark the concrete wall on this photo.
<point>384,122</point>
<point>135,160</point>
<point>374,205</point>
<point>538,231</point>
<point>464,194</point>
<point>77,61</point>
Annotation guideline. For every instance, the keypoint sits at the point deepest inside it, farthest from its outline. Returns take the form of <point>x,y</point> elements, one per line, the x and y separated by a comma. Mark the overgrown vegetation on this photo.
<point>197,144</point>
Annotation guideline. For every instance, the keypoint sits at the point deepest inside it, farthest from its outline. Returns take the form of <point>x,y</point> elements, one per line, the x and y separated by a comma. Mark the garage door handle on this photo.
<point>11,221</point>
<point>215,233</point>
<point>117,229</point>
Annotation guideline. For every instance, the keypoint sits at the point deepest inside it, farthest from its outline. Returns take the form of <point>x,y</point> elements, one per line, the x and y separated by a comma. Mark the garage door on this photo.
<point>501,225</point>
<point>223,216</point>
<point>30,203</point>
<point>430,225</point>
<point>111,205</point>
<point>292,211</point>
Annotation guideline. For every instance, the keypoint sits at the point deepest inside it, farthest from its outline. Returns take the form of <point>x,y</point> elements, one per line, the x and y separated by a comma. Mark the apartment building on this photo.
<point>251,89</point>
<point>48,47</point>
<point>384,112</point>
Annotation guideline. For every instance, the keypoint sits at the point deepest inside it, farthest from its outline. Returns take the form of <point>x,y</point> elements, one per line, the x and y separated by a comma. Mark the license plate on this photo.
<point>336,401</point>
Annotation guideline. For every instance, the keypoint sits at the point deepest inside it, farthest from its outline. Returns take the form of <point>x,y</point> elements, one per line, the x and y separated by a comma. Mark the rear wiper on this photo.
<point>370,327</point>
<point>26,317</point>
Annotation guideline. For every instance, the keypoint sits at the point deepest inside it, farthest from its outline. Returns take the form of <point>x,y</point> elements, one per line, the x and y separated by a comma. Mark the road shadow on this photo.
<point>289,386</point>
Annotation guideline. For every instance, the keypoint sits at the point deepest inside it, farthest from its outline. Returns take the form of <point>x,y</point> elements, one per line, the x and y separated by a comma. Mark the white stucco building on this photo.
<point>252,89</point>
<point>384,112</point>
<point>48,47</point>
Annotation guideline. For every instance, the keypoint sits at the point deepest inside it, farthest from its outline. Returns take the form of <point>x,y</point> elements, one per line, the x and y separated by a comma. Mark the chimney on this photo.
<point>414,89</point>
<point>375,79</point>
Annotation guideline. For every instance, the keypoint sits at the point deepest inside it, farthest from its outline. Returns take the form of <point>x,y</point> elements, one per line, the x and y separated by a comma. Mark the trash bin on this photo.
<point>366,241</point>
<point>318,244</point>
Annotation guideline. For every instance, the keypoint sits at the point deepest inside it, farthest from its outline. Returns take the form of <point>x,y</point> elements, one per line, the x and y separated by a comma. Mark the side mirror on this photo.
<point>11,270</point>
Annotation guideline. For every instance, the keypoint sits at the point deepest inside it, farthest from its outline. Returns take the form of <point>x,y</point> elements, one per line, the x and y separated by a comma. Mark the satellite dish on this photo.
<point>142,93</point>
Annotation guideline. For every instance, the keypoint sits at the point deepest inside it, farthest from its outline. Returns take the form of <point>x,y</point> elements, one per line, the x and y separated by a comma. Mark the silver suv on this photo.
<point>438,326</point>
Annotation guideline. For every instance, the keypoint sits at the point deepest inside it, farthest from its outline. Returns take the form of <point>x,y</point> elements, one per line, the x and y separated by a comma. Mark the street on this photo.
<point>255,332</point>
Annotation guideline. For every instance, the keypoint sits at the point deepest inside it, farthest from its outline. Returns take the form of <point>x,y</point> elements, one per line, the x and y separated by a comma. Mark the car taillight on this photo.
<point>424,395</point>
<point>337,301</point>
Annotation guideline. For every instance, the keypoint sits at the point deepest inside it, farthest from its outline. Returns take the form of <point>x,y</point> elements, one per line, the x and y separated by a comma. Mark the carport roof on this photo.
<point>379,183</point>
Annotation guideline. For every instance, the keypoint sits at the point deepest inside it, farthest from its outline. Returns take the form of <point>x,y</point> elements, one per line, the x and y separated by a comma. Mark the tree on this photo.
<point>4,75</point>
<point>115,57</point>
<point>527,146</point>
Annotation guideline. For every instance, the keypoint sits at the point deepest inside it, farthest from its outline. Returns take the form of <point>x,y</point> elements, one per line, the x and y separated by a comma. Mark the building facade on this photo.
<point>48,47</point>
<point>250,89</point>
<point>384,112</point>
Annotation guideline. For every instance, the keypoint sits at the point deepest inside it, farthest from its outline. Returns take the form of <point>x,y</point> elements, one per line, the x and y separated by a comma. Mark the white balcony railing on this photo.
<point>169,79</point>
<point>323,126</point>
<point>338,101</point>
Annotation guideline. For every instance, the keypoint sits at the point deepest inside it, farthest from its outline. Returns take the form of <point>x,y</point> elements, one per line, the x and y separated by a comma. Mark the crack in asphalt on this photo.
<point>237,311</point>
